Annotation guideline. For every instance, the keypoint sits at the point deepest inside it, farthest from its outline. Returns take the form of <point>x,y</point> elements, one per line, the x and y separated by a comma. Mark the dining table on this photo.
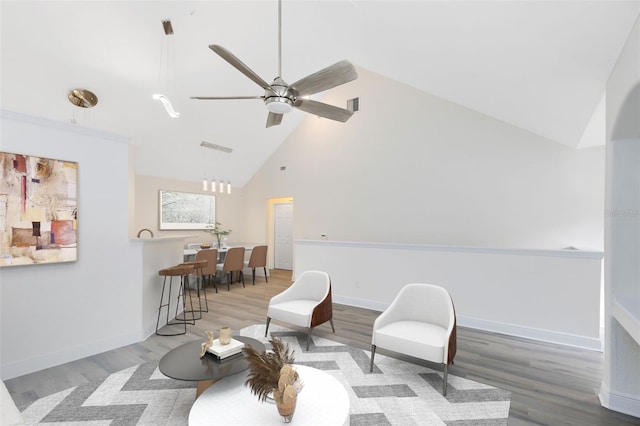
<point>190,253</point>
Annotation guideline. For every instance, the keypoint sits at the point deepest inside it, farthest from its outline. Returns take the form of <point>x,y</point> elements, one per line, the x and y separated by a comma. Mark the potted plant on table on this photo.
<point>271,373</point>
<point>216,231</point>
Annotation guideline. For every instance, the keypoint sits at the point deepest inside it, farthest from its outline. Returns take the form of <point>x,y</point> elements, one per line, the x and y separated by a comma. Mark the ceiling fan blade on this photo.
<point>334,75</point>
<point>239,65</point>
<point>323,110</point>
<point>204,98</point>
<point>274,119</point>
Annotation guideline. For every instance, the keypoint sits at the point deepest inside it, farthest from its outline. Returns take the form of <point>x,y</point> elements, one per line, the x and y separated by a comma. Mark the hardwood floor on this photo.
<point>550,384</point>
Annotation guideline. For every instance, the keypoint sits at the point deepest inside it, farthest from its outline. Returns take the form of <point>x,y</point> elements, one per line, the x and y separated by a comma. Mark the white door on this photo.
<point>283,236</point>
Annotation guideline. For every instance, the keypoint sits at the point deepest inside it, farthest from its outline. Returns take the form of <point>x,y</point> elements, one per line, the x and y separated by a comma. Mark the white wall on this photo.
<point>527,293</point>
<point>412,168</point>
<point>54,313</point>
<point>621,379</point>
<point>146,208</point>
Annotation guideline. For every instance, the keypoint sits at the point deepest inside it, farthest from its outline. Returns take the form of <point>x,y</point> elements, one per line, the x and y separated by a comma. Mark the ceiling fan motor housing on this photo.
<point>279,99</point>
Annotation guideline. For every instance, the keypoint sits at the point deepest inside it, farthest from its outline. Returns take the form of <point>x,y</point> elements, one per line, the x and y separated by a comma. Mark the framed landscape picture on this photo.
<point>38,210</point>
<point>186,210</point>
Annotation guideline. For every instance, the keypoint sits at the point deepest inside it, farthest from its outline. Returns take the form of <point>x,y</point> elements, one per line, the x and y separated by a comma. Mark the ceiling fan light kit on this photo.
<point>278,104</point>
<point>280,97</point>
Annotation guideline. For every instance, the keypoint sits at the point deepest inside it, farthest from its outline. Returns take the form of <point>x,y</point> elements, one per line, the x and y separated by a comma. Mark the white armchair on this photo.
<point>306,303</point>
<point>420,322</point>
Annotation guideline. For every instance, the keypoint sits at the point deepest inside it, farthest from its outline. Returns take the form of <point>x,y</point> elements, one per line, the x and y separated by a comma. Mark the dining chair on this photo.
<point>420,322</point>
<point>209,271</point>
<point>306,303</point>
<point>233,262</point>
<point>258,259</point>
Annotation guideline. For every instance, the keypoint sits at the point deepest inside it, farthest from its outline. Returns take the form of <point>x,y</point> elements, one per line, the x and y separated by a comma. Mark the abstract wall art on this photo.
<point>186,210</point>
<point>38,210</point>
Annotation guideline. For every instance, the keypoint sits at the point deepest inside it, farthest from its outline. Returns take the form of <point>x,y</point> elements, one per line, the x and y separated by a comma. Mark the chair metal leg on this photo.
<point>332,327</point>
<point>266,330</point>
<point>200,288</point>
<point>242,276</point>
<point>444,386</point>
<point>185,289</point>
<point>164,282</point>
<point>265,274</point>
<point>308,338</point>
<point>204,290</point>
<point>176,320</point>
<point>253,275</point>
<point>373,354</point>
<point>212,281</point>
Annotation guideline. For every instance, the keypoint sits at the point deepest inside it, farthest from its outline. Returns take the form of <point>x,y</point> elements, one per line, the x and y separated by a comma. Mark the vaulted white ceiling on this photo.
<point>539,65</point>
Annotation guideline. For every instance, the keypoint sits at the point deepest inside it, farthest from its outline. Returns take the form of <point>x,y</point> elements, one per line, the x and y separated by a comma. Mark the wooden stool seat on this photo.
<point>177,271</point>
<point>197,264</point>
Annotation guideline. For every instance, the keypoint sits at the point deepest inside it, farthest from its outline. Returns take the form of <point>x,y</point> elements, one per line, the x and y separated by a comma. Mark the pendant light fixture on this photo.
<point>167,62</point>
<point>216,185</point>
<point>167,105</point>
<point>82,98</point>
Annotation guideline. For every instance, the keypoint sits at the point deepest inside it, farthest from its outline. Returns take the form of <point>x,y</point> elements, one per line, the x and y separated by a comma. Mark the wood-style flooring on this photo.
<point>550,384</point>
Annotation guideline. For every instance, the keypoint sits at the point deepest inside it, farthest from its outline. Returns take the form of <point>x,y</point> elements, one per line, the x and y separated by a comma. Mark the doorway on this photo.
<point>283,235</point>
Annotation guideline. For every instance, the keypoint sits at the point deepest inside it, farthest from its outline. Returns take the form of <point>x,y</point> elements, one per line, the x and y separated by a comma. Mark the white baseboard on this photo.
<point>622,403</point>
<point>549,336</point>
<point>360,303</point>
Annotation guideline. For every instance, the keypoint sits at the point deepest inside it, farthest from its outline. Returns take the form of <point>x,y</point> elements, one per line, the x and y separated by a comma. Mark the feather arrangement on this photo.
<point>264,368</point>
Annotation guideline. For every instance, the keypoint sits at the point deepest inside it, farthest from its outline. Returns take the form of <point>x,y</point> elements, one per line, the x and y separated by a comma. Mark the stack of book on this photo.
<point>221,352</point>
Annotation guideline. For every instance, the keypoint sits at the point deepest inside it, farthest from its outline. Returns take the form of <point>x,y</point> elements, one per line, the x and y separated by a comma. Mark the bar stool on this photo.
<point>183,272</point>
<point>198,268</point>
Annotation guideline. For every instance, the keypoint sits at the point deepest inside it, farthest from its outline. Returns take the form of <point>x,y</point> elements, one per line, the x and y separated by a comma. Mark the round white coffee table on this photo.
<point>323,401</point>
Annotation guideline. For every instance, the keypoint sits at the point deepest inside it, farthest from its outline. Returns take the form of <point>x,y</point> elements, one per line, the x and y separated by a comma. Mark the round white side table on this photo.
<point>323,401</point>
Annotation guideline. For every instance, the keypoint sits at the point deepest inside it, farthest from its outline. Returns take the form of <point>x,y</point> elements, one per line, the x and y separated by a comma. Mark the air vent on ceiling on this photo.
<point>216,147</point>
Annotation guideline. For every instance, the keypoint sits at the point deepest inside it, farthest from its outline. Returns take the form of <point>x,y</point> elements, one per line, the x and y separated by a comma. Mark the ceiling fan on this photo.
<point>280,97</point>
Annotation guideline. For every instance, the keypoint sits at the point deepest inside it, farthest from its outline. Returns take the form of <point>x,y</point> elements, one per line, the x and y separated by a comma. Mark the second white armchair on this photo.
<point>420,322</point>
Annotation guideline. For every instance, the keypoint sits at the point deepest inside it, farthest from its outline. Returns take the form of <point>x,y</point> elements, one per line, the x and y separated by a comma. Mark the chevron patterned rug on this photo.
<point>396,393</point>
